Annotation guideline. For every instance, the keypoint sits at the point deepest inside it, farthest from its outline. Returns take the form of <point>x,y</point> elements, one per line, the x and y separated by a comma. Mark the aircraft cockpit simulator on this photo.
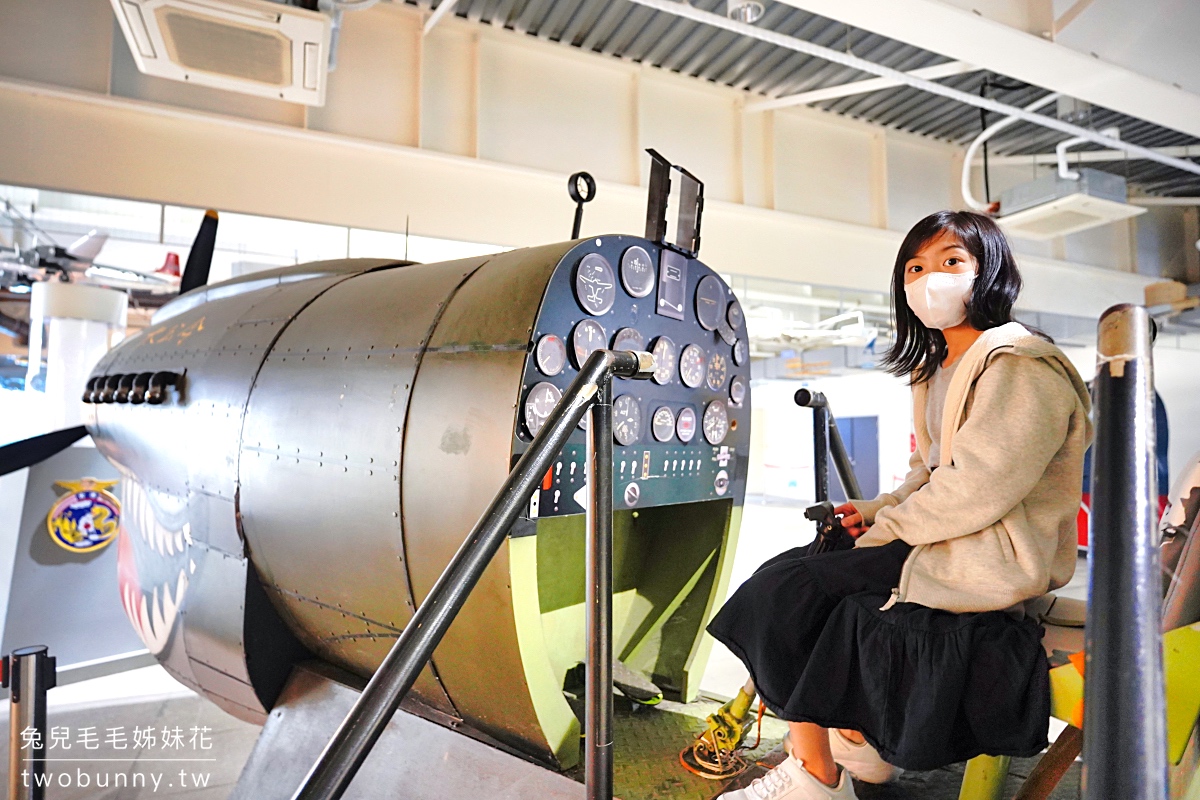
<point>324,436</point>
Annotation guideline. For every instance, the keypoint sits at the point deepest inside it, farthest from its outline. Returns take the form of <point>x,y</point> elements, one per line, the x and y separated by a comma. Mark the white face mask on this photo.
<point>939,299</point>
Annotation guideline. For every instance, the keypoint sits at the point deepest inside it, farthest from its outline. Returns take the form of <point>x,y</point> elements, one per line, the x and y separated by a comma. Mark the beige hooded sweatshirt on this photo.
<point>995,524</point>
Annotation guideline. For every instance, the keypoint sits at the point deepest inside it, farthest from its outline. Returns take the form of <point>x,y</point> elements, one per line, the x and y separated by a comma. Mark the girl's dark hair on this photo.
<point>919,350</point>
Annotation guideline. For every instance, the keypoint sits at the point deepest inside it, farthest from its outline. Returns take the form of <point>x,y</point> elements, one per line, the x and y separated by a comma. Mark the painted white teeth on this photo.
<point>154,617</point>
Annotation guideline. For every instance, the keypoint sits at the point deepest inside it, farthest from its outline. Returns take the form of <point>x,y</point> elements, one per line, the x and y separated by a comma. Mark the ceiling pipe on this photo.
<point>444,8</point>
<point>681,9</point>
<point>1060,152</point>
<point>968,196</point>
<point>1165,201</point>
<point>1091,156</point>
<point>859,87</point>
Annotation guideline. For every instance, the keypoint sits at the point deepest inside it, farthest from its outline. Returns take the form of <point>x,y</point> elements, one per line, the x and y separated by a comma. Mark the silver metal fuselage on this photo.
<point>336,430</point>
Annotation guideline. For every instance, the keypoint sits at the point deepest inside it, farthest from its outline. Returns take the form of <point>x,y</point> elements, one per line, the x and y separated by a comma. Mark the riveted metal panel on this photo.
<point>323,436</point>
<point>360,644</point>
<point>457,448</point>
<point>213,610</point>
<point>234,696</point>
<point>185,553</point>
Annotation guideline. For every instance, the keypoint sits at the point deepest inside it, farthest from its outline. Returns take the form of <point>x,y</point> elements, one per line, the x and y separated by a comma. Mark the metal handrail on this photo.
<point>1125,749</point>
<point>827,435</point>
<point>341,759</point>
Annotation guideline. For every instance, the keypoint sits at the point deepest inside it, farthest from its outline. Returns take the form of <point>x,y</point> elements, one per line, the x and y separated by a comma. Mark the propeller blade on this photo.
<point>88,246</point>
<point>28,452</point>
<point>195,273</point>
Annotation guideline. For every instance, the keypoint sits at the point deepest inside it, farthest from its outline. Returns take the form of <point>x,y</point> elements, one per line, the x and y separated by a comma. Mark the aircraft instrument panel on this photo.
<point>680,437</point>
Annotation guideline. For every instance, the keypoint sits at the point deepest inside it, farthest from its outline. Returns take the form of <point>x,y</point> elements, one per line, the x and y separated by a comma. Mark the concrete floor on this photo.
<point>118,768</point>
<point>648,740</point>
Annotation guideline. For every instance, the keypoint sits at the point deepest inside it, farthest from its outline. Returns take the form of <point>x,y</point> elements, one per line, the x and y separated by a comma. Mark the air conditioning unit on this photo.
<point>248,46</point>
<point>1055,206</point>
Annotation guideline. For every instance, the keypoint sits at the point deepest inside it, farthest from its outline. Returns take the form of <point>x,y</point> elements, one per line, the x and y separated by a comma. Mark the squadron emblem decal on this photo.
<point>87,518</point>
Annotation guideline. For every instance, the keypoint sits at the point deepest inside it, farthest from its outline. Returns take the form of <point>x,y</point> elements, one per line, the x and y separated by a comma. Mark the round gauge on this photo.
<point>551,354</point>
<point>637,271</point>
<point>627,420</point>
<point>587,338</point>
<point>718,367</point>
<point>727,334</point>
<point>665,356</point>
<point>685,425</point>
<point>691,366</point>
<point>710,302</point>
<point>540,401</point>
<point>629,339</point>
<point>663,424</point>
<point>741,352</point>
<point>716,422</point>
<point>737,390</point>
<point>734,315</point>
<point>595,284</point>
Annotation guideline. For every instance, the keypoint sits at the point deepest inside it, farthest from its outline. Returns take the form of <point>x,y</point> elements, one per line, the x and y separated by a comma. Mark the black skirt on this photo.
<point>926,687</point>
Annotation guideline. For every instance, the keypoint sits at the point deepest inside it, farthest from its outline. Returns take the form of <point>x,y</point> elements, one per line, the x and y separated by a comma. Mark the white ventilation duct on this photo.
<point>248,46</point>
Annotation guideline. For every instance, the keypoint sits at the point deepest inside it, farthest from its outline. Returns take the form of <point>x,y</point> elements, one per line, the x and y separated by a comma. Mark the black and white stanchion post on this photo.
<point>1125,740</point>
<point>28,674</point>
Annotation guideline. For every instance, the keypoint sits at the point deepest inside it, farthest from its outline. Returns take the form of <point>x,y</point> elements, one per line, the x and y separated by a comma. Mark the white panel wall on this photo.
<point>449,83</point>
<point>372,94</point>
<point>469,134</point>
<point>65,43</point>
<point>823,168</point>
<point>921,179</point>
<point>545,109</point>
<point>690,123</point>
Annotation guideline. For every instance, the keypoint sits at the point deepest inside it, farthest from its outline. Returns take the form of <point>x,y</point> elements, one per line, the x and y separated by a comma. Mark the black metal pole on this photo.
<point>345,753</point>
<point>821,452</point>
<point>842,463</point>
<point>1125,752</point>
<point>29,673</point>
<point>578,221</point>
<point>598,697</point>
<point>828,432</point>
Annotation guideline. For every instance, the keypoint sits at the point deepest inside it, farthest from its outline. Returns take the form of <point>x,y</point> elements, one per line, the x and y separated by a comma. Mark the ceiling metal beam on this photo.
<point>861,87</point>
<point>682,9</point>
<point>956,32</point>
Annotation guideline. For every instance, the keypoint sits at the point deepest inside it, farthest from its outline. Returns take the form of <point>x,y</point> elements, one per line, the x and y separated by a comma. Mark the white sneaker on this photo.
<point>862,760</point>
<point>791,781</point>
